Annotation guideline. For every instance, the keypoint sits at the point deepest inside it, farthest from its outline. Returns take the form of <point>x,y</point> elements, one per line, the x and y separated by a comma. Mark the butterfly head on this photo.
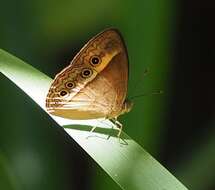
<point>127,106</point>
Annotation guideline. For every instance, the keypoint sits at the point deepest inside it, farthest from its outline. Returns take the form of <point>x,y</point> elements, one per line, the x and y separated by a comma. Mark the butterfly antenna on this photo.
<point>141,95</point>
<point>145,72</point>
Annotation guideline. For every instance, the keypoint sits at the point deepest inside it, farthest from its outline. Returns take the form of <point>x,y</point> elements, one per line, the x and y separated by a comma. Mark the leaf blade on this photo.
<point>129,165</point>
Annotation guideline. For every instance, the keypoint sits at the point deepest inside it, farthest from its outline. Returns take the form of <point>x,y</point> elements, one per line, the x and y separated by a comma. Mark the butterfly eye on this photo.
<point>70,84</point>
<point>86,73</point>
<point>63,93</point>
<point>95,60</point>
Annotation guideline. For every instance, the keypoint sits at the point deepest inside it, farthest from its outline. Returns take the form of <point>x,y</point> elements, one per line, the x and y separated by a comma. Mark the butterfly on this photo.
<point>94,85</point>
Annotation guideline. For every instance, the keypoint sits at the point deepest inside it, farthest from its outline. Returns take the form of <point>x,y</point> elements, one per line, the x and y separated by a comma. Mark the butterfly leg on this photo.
<point>94,127</point>
<point>118,125</point>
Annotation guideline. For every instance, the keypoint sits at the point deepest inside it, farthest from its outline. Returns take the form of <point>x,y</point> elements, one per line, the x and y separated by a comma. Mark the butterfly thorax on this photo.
<point>126,107</point>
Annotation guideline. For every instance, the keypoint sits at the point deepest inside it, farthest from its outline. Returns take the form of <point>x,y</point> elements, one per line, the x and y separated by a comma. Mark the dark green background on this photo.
<point>163,36</point>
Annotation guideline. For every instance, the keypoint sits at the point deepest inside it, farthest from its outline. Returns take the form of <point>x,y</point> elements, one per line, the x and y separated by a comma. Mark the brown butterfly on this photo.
<point>94,85</point>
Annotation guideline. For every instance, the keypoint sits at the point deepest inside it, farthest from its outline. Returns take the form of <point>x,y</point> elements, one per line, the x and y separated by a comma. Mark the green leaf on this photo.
<point>127,163</point>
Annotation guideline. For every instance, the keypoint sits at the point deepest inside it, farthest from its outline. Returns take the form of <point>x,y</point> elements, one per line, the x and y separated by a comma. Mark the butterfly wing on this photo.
<point>94,85</point>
